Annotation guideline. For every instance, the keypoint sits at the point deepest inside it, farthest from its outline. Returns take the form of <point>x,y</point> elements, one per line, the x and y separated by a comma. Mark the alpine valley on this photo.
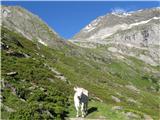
<point>115,57</point>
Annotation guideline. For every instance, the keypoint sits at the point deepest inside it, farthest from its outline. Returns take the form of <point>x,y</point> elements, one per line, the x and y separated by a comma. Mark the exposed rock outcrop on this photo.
<point>133,34</point>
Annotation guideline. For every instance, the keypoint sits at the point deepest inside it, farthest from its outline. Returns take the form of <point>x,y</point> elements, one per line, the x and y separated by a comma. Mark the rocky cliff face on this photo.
<point>133,34</point>
<point>31,26</point>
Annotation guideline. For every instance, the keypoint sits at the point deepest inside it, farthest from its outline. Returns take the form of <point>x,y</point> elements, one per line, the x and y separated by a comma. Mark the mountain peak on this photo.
<point>113,19</point>
<point>29,25</point>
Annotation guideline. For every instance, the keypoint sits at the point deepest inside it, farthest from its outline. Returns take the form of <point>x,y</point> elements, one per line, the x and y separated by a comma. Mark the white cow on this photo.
<point>81,100</point>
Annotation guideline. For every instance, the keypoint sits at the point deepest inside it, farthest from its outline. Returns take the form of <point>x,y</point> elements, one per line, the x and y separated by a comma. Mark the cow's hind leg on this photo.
<point>86,108</point>
<point>82,110</point>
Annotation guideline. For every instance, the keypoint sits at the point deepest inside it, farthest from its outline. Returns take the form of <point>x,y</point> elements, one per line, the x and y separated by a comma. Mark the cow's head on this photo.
<point>78,91</point>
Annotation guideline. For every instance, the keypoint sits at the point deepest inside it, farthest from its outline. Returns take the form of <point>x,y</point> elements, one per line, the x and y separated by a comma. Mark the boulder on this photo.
<point>117,108</point>
<point>115,99</point>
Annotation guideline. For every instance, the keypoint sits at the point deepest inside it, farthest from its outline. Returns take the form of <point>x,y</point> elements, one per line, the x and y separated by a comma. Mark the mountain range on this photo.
<point>133,34</point>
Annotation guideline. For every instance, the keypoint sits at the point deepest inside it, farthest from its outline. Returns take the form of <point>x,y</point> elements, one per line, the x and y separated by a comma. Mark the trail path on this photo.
<point>85,119</point>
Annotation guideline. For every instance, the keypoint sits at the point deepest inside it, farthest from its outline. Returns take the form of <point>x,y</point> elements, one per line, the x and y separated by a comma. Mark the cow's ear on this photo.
<point>75,89</point>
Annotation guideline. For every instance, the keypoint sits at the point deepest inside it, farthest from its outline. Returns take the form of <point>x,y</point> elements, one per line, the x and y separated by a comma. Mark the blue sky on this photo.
<point>68,18</point>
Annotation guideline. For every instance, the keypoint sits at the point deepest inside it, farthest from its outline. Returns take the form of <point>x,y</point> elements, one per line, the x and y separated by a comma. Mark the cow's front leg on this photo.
<point>77,114</point>
<point>77,109</point>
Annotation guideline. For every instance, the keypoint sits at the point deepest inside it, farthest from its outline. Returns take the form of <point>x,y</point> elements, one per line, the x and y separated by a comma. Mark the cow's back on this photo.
<point>85,96</point>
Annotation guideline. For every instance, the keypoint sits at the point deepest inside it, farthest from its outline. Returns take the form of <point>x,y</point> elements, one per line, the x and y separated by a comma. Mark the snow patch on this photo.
<point>42,42</point>
<point>127,14</point>
<point>92,25</point>
<point>89,28</point>
<point>122,14</point>
<point>5,12</point>
<point>142,22</point>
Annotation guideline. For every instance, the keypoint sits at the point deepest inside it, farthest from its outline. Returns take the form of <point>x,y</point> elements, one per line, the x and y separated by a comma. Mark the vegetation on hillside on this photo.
<point>38,81</point>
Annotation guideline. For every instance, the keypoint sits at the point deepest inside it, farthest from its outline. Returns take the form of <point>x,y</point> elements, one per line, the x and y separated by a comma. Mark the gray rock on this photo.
<point>7,108</point>
<point>131,100</point>
<point>16,54</point>
<point>131,115</point>
<point>147,117</point>
<point>115,99</point>
<point>12,73</point>
<point>133,88</point>
<point>117,108</point>
<point>4,46</point>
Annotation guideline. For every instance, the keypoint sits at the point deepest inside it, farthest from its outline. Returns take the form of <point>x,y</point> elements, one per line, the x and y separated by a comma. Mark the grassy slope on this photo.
<point>103,78</point>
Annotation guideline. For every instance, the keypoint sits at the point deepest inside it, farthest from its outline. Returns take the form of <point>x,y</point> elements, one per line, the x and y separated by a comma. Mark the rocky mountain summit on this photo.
<point>133,34</point>
<point>29,25</point>
<point>109,24</point>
